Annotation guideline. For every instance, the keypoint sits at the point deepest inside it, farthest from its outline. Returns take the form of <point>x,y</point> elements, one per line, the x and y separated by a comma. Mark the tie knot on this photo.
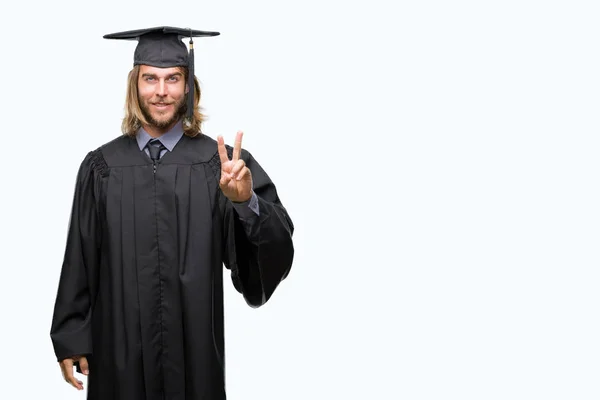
<point>155,147</point>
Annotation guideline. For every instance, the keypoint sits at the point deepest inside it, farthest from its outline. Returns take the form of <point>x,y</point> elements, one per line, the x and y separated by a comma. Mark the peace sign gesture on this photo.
<point>236,179</point>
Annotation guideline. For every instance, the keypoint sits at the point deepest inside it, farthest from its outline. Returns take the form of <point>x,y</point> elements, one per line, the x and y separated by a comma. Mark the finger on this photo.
<point>243,173</point>
<point>237,167</point>
<point>76,383</point>
<point>67,369</point>
<point>237,148</point>
<point>83,363</point>
<point>222,150</point>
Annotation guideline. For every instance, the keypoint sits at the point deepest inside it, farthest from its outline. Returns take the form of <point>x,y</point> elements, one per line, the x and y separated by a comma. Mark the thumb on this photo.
<point>83,363</point>
<point>225,179</point>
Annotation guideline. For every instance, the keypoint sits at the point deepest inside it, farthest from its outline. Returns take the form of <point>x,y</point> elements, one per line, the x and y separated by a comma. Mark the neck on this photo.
<point>156,131</point>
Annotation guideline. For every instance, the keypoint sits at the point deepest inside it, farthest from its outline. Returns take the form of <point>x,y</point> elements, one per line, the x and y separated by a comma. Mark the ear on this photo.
<point>187,88</point>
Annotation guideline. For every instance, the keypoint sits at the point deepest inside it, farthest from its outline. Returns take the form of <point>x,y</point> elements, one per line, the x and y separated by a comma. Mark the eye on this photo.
<point>149,78</point>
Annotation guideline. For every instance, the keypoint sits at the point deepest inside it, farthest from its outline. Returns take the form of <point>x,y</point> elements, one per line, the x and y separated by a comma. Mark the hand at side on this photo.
<point>66,367</point>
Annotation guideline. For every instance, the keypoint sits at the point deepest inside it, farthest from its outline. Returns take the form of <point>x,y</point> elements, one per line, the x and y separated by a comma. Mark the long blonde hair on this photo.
<point>134,117</point>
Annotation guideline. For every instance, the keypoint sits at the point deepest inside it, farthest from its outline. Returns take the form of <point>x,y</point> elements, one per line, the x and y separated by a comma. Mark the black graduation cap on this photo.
<point>162,47</point>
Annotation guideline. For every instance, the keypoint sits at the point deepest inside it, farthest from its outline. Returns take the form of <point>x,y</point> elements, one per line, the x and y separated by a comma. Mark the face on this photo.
<point>161,93</point>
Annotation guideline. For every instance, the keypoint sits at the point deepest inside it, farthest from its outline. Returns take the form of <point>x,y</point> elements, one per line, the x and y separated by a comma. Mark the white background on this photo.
<point>439,160</point>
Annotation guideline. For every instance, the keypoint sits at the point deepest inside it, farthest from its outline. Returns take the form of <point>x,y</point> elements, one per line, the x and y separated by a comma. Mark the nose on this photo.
<point>161,88</point>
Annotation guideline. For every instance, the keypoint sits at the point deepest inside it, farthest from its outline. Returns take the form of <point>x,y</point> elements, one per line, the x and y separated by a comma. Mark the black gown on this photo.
<point>141,287</point>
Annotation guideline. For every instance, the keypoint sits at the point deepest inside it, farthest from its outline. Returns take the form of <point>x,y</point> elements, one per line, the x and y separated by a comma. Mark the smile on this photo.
<point>161,105</point>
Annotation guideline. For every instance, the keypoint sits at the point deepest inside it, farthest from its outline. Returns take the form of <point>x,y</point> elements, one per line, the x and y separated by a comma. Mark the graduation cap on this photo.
<point>162,47</point>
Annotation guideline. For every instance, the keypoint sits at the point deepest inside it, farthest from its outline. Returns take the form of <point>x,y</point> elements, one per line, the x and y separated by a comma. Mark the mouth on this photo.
<point>161,106</point>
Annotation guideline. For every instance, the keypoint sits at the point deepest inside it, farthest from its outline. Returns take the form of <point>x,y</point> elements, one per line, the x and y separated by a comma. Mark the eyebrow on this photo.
<point>144,75</point>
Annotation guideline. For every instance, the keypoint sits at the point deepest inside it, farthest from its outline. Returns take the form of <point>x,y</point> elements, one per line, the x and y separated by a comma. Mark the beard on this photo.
<point>163,121</point>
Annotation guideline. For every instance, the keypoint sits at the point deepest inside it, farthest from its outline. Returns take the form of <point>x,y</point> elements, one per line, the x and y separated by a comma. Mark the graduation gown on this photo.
<point>141,286</point>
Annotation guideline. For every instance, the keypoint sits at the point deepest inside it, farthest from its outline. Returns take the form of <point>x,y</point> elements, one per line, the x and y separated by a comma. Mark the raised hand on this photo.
<point>236,179</point>
<point>66,366</point>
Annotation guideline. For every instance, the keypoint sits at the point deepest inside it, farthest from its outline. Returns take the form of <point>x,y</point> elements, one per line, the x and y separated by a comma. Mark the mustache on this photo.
<point>180,109</point>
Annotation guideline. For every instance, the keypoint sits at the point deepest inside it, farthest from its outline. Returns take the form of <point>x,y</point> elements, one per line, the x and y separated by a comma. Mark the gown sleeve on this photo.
<point>258,249</point>
<point>71,322</point>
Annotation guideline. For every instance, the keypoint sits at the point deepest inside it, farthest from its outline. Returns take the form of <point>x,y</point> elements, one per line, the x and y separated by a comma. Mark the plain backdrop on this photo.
<point>439,160</point>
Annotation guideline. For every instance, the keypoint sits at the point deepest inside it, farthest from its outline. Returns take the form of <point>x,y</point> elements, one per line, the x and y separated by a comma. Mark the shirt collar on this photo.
<point>168,139</point>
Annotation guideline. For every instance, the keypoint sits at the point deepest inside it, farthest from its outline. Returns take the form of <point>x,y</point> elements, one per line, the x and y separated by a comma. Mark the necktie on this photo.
<point>155,147</point>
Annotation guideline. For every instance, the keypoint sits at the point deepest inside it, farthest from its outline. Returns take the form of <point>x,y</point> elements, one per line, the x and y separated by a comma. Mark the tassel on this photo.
<point>190,99</point>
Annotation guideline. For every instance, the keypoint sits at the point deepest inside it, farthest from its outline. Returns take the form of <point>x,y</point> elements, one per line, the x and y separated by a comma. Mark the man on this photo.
<point>139,308</point>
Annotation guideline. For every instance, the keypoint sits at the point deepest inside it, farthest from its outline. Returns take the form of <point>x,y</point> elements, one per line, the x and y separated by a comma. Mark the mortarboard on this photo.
<point>162,47</point>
